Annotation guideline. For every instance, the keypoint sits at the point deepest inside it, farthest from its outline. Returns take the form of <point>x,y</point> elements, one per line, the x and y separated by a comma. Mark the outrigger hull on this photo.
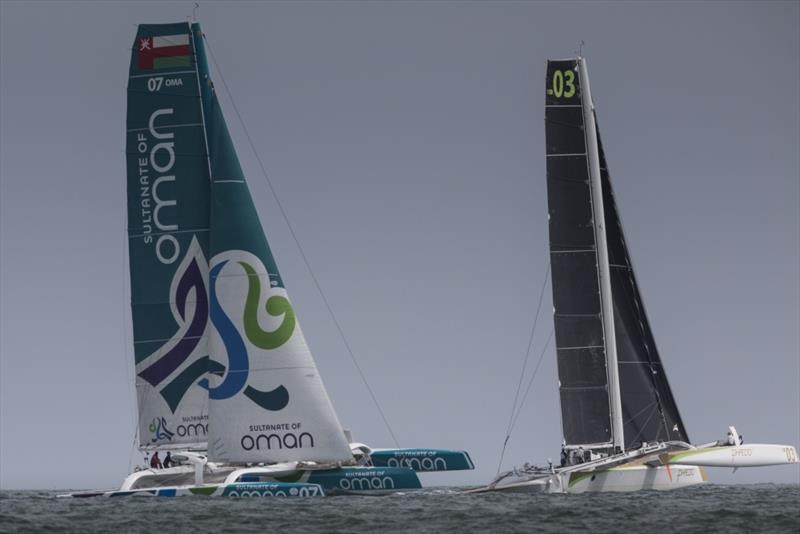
<point>615,479</point>
<point>257,489</point>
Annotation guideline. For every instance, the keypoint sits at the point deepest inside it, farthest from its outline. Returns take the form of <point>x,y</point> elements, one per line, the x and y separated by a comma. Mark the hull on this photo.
<point>615,479</point>
<point>356,480</point>
<point>257,489</point>
<point>274,481</point>
<point>751,455</point>
<point>381,471</point>
<point>422,460</point>
<point>636,478</point>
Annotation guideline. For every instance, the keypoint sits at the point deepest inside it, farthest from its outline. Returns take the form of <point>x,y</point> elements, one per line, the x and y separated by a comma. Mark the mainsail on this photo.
<point>168,236</point>
<point>580,346</point>
<point>586,337</point>
<point>218,345</point>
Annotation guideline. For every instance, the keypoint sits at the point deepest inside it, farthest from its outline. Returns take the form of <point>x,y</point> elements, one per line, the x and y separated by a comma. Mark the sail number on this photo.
<point>156,82</point>
<point>562,84</point>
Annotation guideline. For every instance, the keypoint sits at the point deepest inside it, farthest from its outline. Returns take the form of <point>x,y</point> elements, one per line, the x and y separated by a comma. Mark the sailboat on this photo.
<point>621,426</point>
<point>224,378</point>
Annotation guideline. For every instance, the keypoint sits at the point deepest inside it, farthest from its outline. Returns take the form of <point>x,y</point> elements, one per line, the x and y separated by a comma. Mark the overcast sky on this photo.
<point>406,142</point>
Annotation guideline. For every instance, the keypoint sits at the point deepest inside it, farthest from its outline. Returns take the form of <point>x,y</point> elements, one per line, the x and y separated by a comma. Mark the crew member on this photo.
<point>155,461</point>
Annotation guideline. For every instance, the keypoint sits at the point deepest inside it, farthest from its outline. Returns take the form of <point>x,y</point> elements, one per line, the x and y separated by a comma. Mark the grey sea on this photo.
<point>711,508</point>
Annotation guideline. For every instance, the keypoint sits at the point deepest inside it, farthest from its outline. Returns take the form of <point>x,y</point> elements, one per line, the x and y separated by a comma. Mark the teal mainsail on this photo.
<point>168,235</point>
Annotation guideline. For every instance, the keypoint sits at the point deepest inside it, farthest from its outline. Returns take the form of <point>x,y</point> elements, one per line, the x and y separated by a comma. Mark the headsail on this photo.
<point>649,411</point>
<point>168,232</point>
<point>269,403</point>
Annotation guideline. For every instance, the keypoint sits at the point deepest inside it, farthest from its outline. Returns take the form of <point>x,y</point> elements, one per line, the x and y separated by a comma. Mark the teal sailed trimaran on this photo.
<point>225,380</point>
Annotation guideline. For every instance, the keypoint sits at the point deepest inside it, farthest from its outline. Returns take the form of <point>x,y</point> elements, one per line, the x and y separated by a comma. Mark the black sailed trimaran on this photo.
<point>622,430</point>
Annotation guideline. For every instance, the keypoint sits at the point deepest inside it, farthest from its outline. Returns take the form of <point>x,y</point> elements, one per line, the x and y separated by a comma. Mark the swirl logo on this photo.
<point>238,361</point>
<point>276,306</point>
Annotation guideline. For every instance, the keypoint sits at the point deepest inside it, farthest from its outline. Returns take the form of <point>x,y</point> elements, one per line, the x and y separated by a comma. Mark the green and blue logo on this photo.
<point>235,346</point>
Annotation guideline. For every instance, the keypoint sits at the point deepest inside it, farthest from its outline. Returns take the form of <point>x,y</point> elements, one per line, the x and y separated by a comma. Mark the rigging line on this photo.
<point>528,351</point>
<point>530,382</point>
<point>300,248</point>
<point>640,412</point>
<point>524,398</point>
<point>524,365</point>
<point>125,359</point>
<point>644,426</point>
<point>133,446</point>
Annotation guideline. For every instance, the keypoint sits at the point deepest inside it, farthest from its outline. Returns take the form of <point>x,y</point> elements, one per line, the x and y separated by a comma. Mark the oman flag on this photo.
<point>165,51</point>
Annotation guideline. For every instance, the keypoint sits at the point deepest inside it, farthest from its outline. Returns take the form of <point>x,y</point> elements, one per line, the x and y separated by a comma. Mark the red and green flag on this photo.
<point>164,51</point>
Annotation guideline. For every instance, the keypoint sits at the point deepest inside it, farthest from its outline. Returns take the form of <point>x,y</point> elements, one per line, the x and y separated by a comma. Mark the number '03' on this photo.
<point>563,84</point>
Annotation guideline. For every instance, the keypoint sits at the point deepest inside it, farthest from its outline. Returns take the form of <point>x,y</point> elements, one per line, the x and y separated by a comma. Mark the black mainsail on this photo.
<point>602,356</point>
<point>580,345</point>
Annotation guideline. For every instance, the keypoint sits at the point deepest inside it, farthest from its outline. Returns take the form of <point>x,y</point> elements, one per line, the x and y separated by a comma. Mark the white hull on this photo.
<point>751,455</point>
<point>617,479</point>
<point>636,478</point>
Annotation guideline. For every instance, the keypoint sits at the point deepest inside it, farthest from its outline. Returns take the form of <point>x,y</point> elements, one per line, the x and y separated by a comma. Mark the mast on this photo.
<point>604,272</point>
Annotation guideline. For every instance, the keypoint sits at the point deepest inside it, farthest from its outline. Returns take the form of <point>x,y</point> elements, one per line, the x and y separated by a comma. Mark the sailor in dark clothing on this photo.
<point>168,460</point>
<point>563,456</point>
<point>155,461</point>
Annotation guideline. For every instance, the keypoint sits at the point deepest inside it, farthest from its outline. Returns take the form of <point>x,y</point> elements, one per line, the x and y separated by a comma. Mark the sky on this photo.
<point>406,143</point>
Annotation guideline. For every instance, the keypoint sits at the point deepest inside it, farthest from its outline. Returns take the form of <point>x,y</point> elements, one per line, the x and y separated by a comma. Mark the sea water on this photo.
<point>708,508</point>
